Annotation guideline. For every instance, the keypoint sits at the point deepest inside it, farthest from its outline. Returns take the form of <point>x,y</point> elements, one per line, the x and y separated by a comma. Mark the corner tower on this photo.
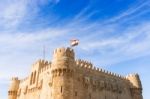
<point>62,71</point>
<point>12,92</point>
<point>136,86</point>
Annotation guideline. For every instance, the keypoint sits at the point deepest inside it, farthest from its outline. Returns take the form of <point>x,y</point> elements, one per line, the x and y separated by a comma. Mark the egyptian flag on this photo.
<point>74,42</point>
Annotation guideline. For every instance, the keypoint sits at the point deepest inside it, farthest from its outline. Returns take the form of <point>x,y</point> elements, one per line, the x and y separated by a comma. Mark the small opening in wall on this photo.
<point>76,93</point>
<point>31,78</point>
<point>19,91</point>
<point>61,89</point>
<point>90,96</point>
<point>34,77</point>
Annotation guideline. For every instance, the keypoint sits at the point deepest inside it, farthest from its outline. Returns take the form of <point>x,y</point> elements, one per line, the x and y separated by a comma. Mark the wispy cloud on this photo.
<point>125,44</point>
<point>12,13</point>
<point>130,44</point>
<point>132,12</point>
<point>105,42</point>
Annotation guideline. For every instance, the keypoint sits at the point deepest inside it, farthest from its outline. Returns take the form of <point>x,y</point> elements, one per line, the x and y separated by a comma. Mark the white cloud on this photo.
<point>124,45</point>
<point>15,12</point>
<point>128,44</point>
<point>20,49</point>
<point>12,13</point>
<point>131,13</point>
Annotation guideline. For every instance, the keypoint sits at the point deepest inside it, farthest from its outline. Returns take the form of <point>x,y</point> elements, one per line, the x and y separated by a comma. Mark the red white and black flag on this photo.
<point>74,42</point>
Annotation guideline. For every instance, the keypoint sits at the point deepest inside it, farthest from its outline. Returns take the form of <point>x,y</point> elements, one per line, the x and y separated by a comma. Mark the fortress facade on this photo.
<point>67,78</point>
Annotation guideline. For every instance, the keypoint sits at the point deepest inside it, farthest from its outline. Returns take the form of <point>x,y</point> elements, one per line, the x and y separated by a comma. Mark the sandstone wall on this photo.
<point>67,78</point>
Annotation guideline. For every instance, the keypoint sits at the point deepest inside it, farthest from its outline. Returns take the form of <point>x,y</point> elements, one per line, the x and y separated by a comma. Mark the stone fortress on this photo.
<point>67,78</point>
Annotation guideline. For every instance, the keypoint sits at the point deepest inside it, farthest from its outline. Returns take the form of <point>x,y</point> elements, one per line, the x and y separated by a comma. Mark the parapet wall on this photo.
<point>40,63</point>
<point>89,66</point>
<point>45,68</point>
<point>14,79</point>
<point>14,84</point>
<point>135,80</point>
<point>24,80</point>
<point>59,52</point>
<point>62,70</point>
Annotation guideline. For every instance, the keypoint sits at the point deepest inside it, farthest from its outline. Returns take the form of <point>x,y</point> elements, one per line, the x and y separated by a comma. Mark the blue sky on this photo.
<point>113,35</point>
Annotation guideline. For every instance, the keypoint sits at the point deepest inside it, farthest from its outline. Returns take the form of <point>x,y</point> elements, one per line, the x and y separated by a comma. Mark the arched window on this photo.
<point>31,78</point>
<point>34,77</point>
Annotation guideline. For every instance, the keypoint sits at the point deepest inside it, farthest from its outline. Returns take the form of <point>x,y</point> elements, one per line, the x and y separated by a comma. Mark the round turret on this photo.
<point>136,87</point>
<point>63,58</point>
<point>13,88</point>
<point>63,52</point>
<point>14,84</point>
<point>63,65</point>
<point>135,80</point>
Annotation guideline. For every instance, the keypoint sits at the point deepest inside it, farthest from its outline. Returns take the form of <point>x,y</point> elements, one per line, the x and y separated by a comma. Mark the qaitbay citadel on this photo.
<point>66,77</point>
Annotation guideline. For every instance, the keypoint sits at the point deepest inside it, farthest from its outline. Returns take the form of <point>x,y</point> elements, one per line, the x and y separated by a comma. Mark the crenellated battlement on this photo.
<point>59,52</point>
<point>88,65</point>
<point>132,75</point>
<point>14,79</point>
<point>63,58</point>
<point>67,78</point>
<point>23,80</point>
<point>41,62</point>
<point>45,67</point>
<point>14,85</point>
<point>135,80</point>
<point>84,63</point>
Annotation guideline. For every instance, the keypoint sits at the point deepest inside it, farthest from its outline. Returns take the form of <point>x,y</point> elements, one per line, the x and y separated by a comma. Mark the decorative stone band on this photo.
<point>62,72</point>
<point>12,92</point>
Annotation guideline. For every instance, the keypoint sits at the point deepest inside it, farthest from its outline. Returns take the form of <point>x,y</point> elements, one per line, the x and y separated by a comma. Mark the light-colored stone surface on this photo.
<point>67,78</point>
